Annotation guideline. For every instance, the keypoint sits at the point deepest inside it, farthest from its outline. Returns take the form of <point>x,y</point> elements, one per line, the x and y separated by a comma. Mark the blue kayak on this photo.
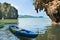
<point>22,32</point>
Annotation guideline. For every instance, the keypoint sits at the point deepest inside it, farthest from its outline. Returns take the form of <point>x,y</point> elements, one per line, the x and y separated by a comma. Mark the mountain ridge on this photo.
<point>29,16</point>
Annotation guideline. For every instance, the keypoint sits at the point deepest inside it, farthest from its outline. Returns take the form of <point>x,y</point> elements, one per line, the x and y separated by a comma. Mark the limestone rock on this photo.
<point>7,11</point>
<point>51,7</point>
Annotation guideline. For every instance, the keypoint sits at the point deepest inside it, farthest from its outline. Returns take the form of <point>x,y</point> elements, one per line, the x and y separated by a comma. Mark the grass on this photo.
<point>9,21</point>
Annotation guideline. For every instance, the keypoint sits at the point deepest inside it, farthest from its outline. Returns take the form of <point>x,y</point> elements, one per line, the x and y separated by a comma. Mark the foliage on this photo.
<point>7,10</point>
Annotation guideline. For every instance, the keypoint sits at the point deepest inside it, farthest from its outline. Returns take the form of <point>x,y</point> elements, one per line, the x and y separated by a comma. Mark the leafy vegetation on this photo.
<point>7,11</point>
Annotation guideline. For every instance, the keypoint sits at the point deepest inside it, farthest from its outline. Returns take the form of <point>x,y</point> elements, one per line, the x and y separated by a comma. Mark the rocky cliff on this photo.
<point>51,7</point>
<point>7,11</point>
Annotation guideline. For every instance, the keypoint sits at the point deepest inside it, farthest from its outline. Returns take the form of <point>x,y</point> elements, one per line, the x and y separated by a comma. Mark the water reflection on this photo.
<point>51,33</point>
<point>24,38</point>
<point>38,25</point>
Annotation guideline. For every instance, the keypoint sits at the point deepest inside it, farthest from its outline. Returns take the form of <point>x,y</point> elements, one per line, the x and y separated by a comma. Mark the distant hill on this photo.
<point>29,16</point>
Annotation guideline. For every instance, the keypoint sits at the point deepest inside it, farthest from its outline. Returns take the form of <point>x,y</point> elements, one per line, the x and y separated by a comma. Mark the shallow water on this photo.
<point>42,26</point>
<point>5,34</point>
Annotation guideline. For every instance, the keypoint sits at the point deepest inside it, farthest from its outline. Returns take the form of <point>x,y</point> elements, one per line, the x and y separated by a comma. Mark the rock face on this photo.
<point>0,14</point>
<point>51,7</point>
<point>7,11</point>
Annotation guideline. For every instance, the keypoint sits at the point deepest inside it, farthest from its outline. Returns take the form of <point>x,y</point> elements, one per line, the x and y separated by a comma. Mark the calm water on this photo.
<point>42,26</point>
<point>34,23</point>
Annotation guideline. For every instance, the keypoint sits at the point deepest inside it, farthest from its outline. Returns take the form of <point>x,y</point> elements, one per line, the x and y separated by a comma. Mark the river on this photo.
<point>42,26</point>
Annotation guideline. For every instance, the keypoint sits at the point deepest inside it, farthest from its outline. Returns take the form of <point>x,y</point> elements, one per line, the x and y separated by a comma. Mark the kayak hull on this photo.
<point>22,32</point>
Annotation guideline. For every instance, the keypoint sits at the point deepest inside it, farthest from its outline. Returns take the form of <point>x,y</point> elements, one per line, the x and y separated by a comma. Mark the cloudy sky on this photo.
<point>25,7</point>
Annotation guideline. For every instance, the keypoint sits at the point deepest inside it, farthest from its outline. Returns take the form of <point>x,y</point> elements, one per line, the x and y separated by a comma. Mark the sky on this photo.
<point>25,7</point>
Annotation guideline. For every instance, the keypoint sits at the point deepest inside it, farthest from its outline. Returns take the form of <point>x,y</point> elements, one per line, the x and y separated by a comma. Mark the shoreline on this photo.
<point>9,21</point>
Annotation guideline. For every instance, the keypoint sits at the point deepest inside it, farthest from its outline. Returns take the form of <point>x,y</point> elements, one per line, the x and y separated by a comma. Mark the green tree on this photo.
<point>7,10</point>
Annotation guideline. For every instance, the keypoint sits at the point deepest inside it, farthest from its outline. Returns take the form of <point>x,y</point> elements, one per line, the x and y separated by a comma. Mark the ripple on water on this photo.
<point>5,34</point>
